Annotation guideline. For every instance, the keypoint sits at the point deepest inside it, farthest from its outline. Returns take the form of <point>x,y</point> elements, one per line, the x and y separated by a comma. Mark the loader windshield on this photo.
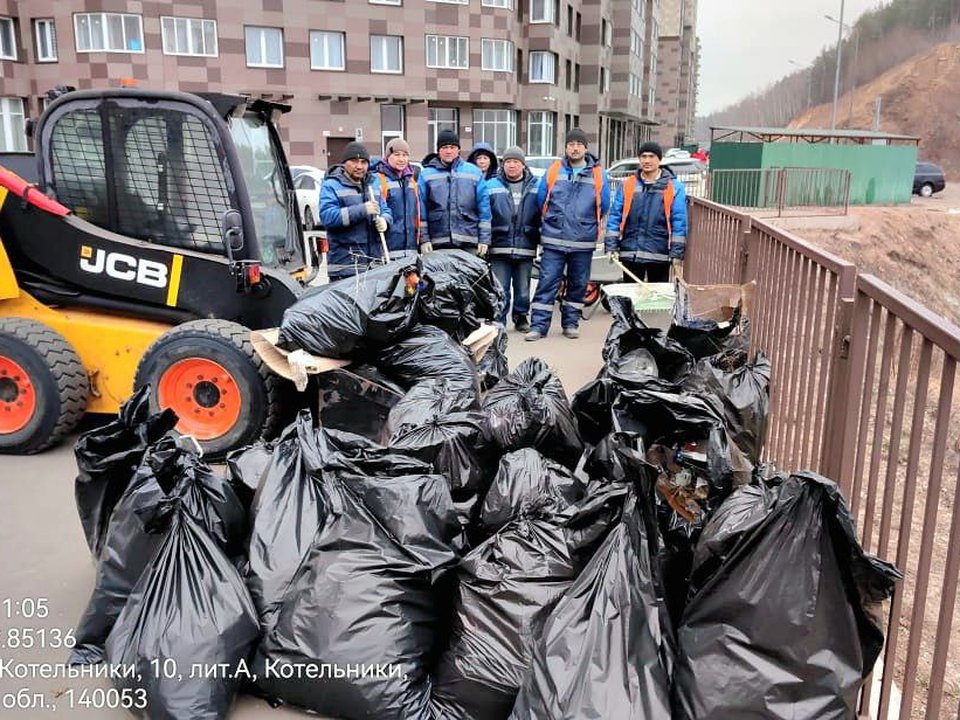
<point>270,194</point>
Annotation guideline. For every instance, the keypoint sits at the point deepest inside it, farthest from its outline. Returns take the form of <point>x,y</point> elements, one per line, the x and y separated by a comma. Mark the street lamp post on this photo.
<point>836,81</point>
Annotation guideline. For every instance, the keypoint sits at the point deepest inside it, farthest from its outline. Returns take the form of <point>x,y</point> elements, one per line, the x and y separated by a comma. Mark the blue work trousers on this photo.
<point>514,277</point>
<point>555,266</point>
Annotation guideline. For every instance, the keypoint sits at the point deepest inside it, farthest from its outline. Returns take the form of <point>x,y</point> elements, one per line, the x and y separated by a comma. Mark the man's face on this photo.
<point>483,162</point>
<point>513,169</point>
<point>576,151</point>
<point>356,169</point>
<point>399,159</point>
<point>448,153</point>
<point>649,162</point>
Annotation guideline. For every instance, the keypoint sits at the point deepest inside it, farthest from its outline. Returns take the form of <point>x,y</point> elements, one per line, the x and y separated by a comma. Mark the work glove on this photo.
<point>482,250</point>
<point>426,248</point>
<point>372,208</point>
<point>380,224</point>
<point>677,269</point>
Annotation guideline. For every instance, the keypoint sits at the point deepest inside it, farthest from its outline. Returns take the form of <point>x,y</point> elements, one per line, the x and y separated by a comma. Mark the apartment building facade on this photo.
<point>501,71</point>
<point>678,57</point>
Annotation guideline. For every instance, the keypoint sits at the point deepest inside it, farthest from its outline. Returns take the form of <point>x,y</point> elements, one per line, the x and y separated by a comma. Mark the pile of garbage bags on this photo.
<point>481,547</point>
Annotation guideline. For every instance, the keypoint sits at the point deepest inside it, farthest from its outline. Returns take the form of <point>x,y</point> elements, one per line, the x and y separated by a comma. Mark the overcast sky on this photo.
<point>748,44</point>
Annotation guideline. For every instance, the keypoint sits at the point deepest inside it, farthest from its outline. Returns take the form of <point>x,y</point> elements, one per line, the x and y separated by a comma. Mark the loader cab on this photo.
<point>204,173</point>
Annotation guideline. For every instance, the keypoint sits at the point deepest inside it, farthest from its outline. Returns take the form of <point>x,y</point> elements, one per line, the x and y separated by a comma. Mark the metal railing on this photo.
<point>863,389</point>
<point>782,191</point>
<point>695,184</point>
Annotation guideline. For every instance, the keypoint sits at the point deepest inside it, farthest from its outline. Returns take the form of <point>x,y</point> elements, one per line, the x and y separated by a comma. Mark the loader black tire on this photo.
<point>227,344</point>
<point>56,385</point>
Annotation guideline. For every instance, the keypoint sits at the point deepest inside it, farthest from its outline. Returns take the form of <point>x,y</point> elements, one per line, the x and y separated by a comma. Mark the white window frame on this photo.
<point>13,133</point>
<point>9,27</point>
<point>636,85</point>
<point>547,124</point>
<point>636,43</point>
<point>509,53</point>
<point>190,21</point>
<point>396,3</point>
<point>434,126</point>
<point>499,118</point>
<point>263,46</point>
<point>607,32</point>
<point>507,4</point>
<point>343,50</point>
<point>105,36</point>
<point>48,28</point>
<point>451,2</point>
<point>548,15</point>
<point>448,42</point>
<point>387,135</point>
<point>384,38</point>
<point>553,58</point>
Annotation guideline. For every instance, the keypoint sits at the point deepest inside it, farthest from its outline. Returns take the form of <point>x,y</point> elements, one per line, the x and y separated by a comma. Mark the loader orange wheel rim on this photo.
<point>18,400</point>
<point>205,396</point>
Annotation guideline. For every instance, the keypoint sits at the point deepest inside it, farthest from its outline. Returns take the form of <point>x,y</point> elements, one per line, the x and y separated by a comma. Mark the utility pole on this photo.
<point>836,81</point>
<point>853,83</point>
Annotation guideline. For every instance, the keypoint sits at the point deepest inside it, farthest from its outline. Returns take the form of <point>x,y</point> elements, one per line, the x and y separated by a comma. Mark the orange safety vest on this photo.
<point>669,194</point>
<point>554,172</point>
<point>416,195</point>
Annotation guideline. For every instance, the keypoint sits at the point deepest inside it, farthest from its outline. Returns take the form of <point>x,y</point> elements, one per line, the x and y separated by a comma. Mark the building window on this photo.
<point>108,32</point>
<point>386,2</point>
<point>636,43</point>
<point>448,52</point>
<point>569,75</point>
<point>576,77</point>
<point>452,2</point>
<point>45,33</point>
<point>543,11</point>
<point>327,50</point>
<point>498,3</point>
<point>441,119</point>
<point>497,127</point>
<point>391,124</point>
<point>543,67</point>
<point>579,26</point>
<point>264,47</point>
<point>13,137</point>
<point>8,39</point>
<point>569,20</point>
<point>189,36</point>
<point>635,85</point>
<point>607,32</point>
<point>496,55</point>
<point>604,80</point>
<point>540,134</point>
<point>386,54</point>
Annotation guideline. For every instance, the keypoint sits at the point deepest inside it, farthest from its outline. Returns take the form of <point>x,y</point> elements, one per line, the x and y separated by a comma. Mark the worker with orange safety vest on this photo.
<point>647,226</point>
<point>574,195</point>
<point>398,188</point>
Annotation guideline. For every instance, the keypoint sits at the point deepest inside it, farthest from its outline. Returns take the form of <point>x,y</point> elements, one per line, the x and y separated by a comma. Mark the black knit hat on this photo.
<point>651,147</point>
<point>447,137</point>
<point>576,135</point>
<point>355,151</point>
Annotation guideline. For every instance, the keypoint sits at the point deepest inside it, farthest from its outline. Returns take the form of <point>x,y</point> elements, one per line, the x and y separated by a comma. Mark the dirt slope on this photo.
<point>920,98</point>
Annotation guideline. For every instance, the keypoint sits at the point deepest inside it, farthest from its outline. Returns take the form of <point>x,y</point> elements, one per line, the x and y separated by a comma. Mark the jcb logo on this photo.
<point>123,267</point>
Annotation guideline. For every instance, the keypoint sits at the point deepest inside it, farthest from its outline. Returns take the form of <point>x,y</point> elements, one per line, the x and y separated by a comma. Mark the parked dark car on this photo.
<point>928,179</point>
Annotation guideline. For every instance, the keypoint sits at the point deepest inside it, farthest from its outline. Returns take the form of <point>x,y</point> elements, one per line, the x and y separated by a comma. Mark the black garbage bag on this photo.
<point>367,599</point>
<point>107,458</point>
<point>740,390</point>
<point>703,337</point>
<point>592,405</point>
<point>428,353</point>
<point>529,408</point>
<point>779,623</point>
<point>429,424</point>
<point>247,467</point>
<point>494,366</point>
<point>524,479</point>
<point>460,292</point>
<point>353,317</point>
<point>169,473</point>
<point>190,606</point>
<point>287,512</point>
<point>606,649</point>
<point>356,403</point>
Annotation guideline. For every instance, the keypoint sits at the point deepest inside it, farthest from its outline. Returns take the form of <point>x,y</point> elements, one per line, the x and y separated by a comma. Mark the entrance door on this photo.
<point>336,146</point>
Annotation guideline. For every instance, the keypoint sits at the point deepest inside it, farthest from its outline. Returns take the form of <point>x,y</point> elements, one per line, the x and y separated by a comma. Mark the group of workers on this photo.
<point>502,212</point>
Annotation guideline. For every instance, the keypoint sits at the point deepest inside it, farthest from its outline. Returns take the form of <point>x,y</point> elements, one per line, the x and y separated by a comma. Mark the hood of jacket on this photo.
<point>482,148</point>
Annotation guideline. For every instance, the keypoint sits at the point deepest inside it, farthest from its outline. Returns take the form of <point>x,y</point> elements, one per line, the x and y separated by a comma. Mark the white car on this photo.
<point>690,171</point>
<point>307,186</point>
<point>539,164</point>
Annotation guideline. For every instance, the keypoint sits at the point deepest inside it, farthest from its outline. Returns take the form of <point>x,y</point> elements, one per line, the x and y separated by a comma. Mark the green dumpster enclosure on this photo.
<point>881,164</point>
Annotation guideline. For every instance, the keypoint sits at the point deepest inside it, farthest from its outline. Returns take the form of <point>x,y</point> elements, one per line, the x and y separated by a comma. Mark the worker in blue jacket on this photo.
<point>484,158</point>
<point>574,195</point>
<point>647,226</point>
<point>397,185</point>
<point>516,233</point>
<point>353,216</point>
<point>454,207</point>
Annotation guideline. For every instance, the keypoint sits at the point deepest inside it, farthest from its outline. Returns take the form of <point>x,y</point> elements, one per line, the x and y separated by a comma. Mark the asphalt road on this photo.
<point>43,553</point>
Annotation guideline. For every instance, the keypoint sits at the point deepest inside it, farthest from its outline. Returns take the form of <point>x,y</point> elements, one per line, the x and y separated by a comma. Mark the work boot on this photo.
<point>533,336</point>
<point>521,324</point>
<point>571,332</point>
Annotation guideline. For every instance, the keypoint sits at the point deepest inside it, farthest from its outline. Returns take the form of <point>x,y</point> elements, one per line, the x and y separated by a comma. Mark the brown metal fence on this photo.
<point>779,192</point>
<point>863,391</point>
